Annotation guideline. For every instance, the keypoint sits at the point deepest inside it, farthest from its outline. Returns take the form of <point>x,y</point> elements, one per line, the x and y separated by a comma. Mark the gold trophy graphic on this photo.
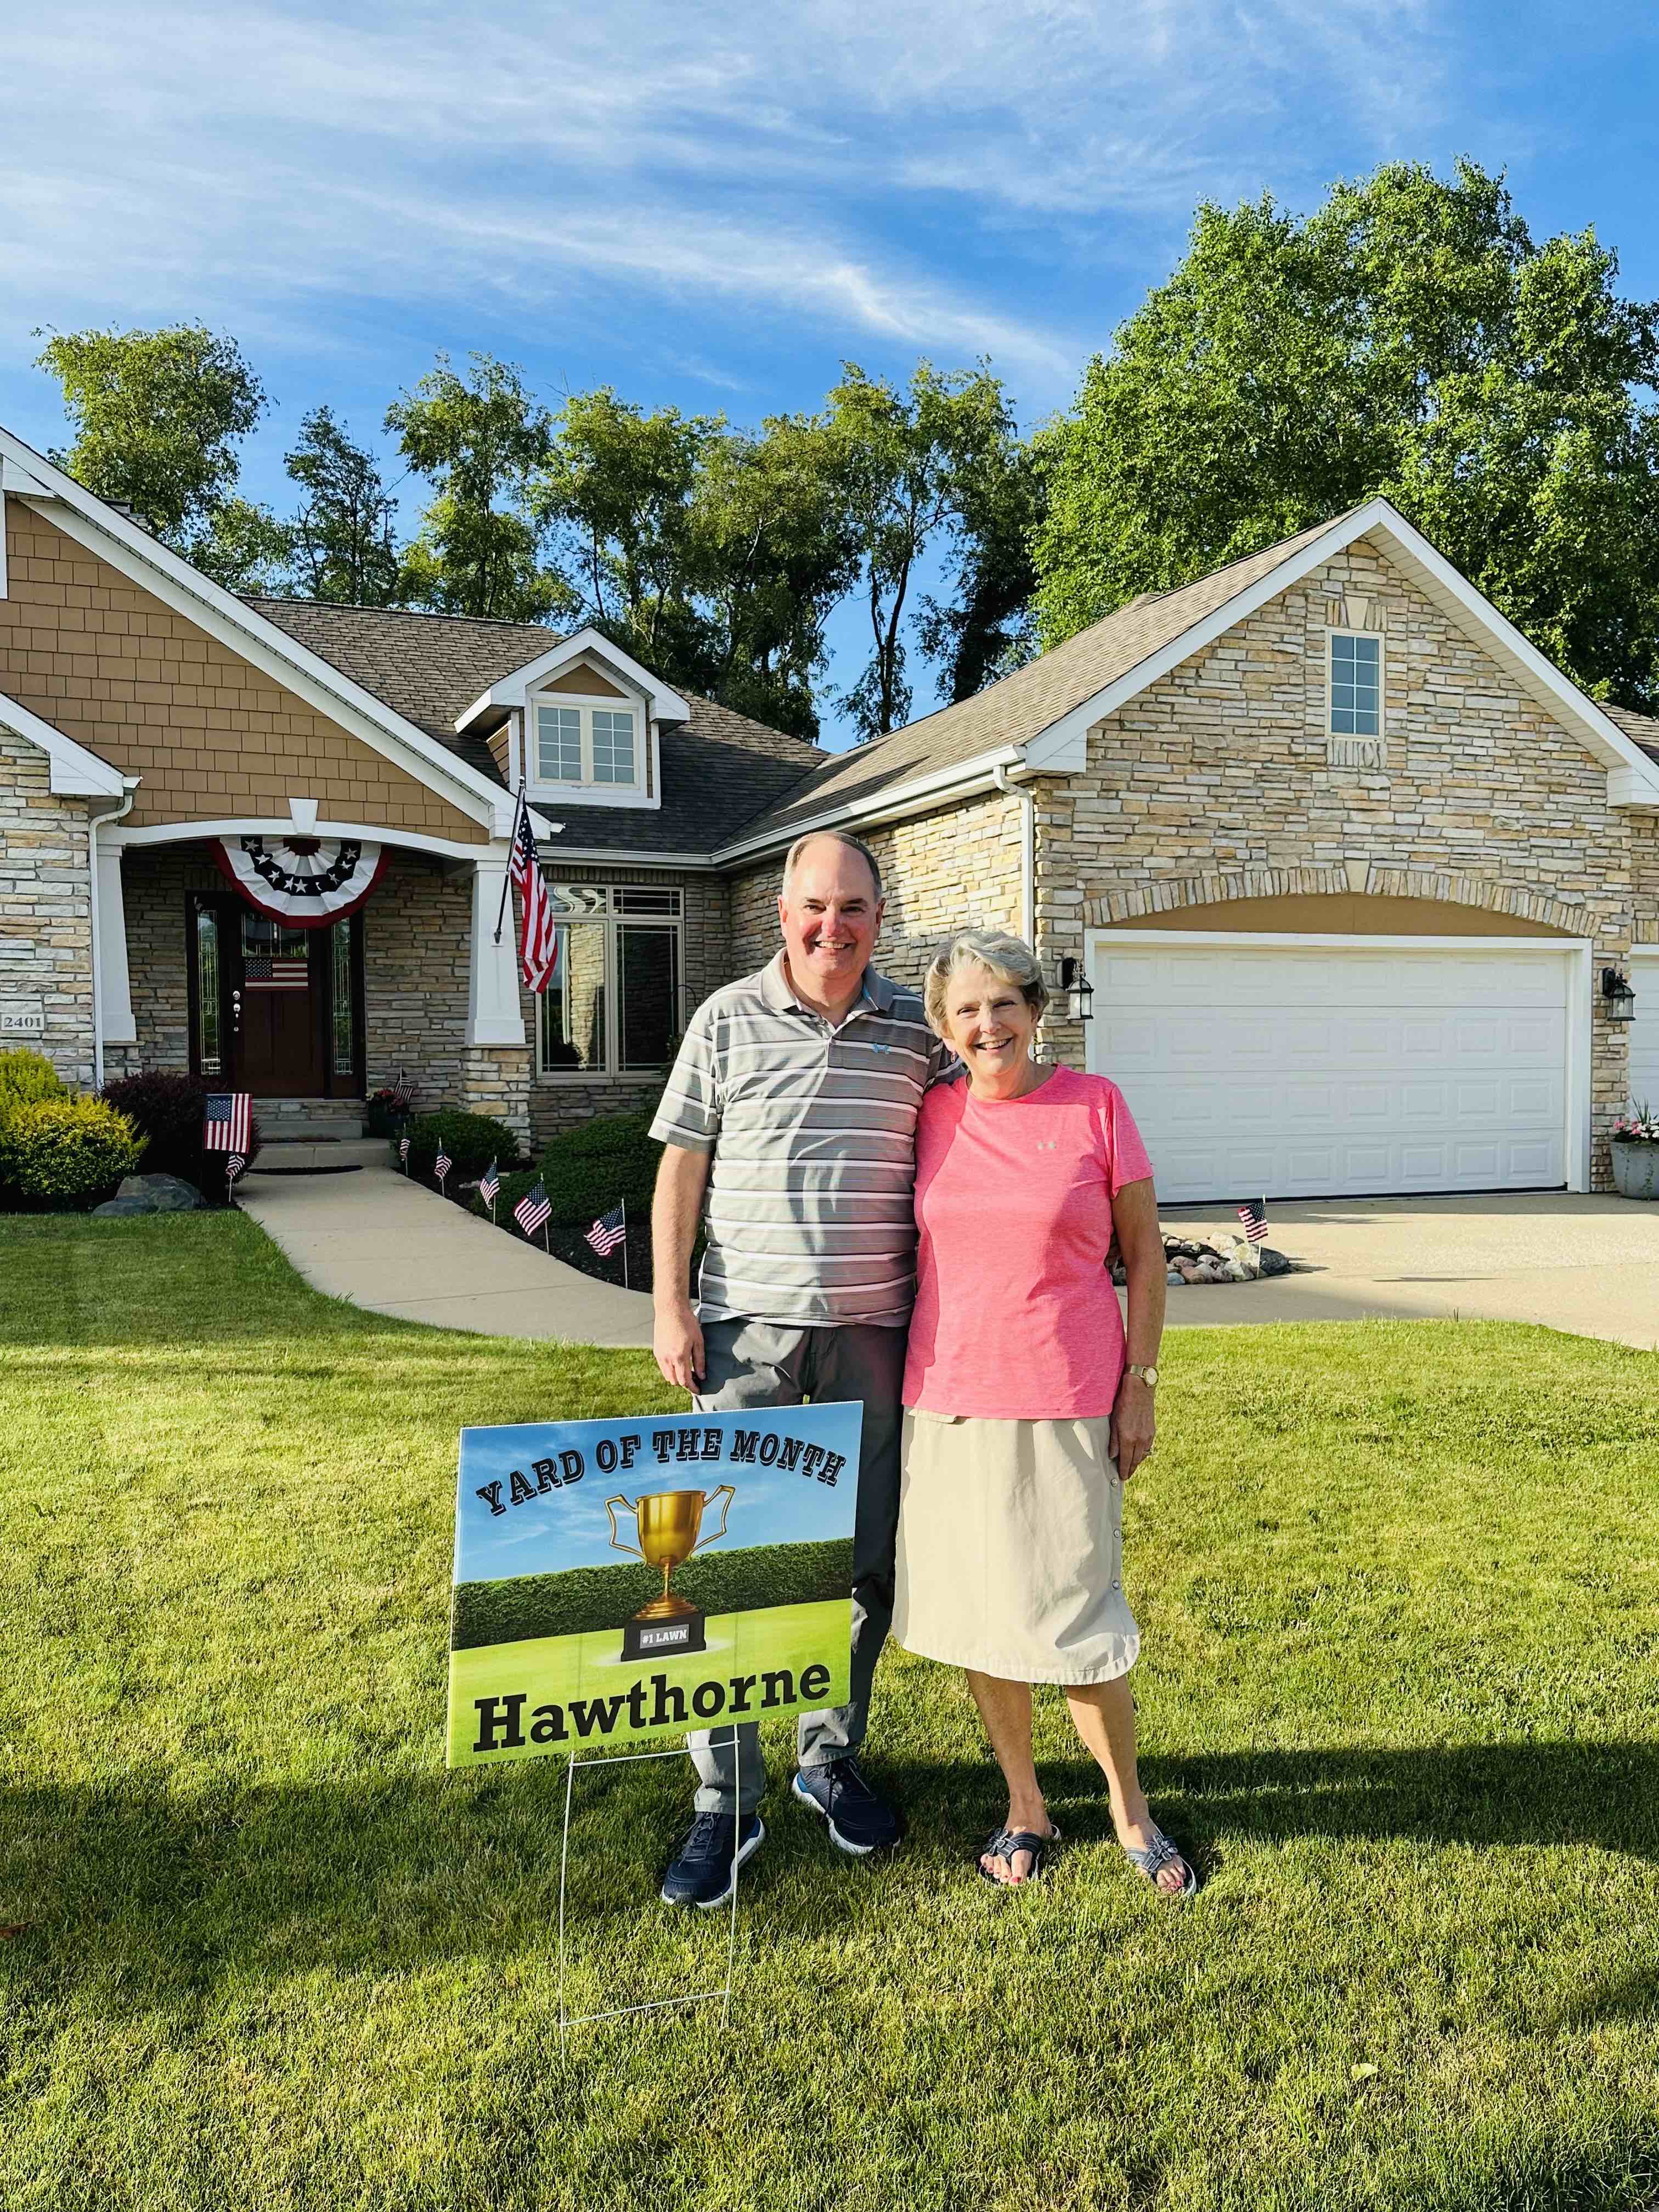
<point>668,1521</point>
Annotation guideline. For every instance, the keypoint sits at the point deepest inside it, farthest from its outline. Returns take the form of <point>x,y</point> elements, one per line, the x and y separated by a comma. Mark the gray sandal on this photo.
<point>1004,1843</point>
<point>1159,1854</point>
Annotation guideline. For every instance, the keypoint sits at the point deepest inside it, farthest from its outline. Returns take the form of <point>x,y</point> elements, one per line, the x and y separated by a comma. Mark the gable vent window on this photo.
<point>581,743</point>
<point>1356,685</point>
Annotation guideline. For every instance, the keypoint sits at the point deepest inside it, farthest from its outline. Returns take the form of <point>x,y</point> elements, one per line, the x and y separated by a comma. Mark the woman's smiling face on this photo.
<point>989,1026</point>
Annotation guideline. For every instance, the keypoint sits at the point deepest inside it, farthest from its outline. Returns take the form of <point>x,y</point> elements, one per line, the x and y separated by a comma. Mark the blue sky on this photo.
<point>569,1527</point>
<point>713,205</point>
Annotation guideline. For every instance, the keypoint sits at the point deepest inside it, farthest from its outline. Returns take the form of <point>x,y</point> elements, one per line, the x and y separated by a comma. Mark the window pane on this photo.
<point>345,1054</point>
<point>1356,686</point>
<point>576,898</point>
<point>207,989</point>
<point>573,1005</point>
<point>650,984</point>
<point>559,744</point>
<point>613,745</point>
<point>666,903</point>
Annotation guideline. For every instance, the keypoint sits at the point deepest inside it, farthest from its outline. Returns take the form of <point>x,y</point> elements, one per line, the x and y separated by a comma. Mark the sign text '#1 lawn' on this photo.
<point>743,1447</point>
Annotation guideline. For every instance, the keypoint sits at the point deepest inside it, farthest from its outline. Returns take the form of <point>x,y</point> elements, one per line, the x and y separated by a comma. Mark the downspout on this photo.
<point>130,785</point>
<point>1027,798</point>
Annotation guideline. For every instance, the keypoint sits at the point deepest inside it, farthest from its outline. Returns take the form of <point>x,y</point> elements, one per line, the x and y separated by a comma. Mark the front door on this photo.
<point>275,1010</point>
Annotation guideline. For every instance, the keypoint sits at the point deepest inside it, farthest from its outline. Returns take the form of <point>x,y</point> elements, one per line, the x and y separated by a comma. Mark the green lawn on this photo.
<point>1399,1589</point>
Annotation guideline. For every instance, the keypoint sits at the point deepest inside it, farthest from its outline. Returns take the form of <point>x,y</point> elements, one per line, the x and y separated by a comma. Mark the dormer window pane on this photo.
<point>1356,686</point>
<point>613,745</point>
<point>559,744</point>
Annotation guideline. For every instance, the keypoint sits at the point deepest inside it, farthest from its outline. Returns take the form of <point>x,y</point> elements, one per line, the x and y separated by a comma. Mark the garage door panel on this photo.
<point>1644,1033</point>
<point>1312,1072</point>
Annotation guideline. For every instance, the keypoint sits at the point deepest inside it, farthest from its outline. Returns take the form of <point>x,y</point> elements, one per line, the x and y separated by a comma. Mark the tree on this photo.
<point>1409,338</point>
<point>986,631</point>
<point>478,441</point>
<point>157,416</point>
<point>905,460</point>
<point>341,544</point>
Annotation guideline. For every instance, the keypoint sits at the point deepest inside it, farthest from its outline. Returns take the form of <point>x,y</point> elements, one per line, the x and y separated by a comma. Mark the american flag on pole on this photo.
<point>533,1209</point>
<point>538,933</point>
<point>608,1231</point>
<point>233,1165</point>
<point>442,1165</point>
<point>490,1184</point>
<point>403,1150</point>
<point>1254,1215</point>
<point>227,1121</point>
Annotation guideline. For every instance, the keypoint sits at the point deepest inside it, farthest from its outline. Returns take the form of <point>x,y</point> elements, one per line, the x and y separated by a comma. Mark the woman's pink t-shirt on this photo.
<point>1016,1317</point>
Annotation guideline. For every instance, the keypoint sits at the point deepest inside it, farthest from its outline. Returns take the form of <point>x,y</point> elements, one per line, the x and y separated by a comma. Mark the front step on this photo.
<point>329,1155</point>
<point>309,1120</point>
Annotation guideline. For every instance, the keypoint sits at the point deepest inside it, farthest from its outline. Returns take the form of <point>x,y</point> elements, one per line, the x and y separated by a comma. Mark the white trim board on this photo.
<point>511,690</point>
<point>1576,954</point>
<point>75,772</point>
<point>282,825</point>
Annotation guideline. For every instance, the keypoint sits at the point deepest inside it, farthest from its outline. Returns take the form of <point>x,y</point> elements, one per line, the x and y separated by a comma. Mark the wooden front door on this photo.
<point>275,1010</point>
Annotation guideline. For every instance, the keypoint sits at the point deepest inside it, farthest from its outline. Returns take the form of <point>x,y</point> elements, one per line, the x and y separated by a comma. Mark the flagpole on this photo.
<point>624,1204</point>
<point>507,878</point>
<point>547,1243</point>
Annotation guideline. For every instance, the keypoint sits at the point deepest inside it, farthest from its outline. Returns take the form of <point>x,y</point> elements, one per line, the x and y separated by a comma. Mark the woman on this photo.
<point>1024,1410</point>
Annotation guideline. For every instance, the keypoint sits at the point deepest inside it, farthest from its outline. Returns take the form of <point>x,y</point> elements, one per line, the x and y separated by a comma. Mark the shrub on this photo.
<point>168,1110</point>
<point>26,1077</point>
<point>61,1155</point>
<point>585,1170</point>
<point>471,1140</point>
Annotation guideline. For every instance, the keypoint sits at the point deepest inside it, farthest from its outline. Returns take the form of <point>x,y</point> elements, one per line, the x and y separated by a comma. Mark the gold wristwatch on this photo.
<point>1148,1374</point>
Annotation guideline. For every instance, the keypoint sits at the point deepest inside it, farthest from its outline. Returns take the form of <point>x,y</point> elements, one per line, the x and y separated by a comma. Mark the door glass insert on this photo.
<point>209,1048</point>
<point>275,957</point>
<point>344,1033</point>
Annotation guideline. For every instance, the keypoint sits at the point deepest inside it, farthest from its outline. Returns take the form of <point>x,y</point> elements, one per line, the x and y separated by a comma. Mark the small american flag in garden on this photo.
<point>227,1121</point>
<point>402,1097</point>
<point>442,1165</point>
<point>1254,1215</point>
<point>608,1231</point>
<point>233,1165</point>
<point>490,1184</point>
<point>533,1209</point>
<point>403,1150</point>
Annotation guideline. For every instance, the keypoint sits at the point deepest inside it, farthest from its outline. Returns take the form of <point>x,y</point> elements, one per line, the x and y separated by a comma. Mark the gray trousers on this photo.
<point>758,1363</point>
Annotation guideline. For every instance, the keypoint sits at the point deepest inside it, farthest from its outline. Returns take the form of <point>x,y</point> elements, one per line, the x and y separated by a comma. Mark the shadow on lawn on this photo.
<point>150,1895</point>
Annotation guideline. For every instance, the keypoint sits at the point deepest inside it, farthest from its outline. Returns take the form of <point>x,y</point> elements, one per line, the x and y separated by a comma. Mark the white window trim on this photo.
<point>612,923</point>
<point>588,792</point>
<point>1340,630</point>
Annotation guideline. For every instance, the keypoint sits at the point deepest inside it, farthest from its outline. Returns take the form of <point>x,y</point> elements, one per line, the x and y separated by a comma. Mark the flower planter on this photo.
<point>1636,1170</point>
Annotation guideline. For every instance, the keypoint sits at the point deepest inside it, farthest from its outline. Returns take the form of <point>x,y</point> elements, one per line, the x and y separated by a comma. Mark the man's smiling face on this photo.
<point>830,918</point>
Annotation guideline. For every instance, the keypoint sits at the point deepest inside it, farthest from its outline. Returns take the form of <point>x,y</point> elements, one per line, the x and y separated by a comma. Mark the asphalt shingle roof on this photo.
<point>1642,729</point>
<point>1032,699</point>
<point>718,769</point>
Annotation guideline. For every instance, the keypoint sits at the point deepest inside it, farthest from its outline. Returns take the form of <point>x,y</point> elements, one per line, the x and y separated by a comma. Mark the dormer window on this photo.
<point>580,741</point>
<point>1356,685</point>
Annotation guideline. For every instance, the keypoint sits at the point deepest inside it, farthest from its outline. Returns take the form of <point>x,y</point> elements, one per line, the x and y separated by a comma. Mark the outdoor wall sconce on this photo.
<point>1079,991</point>
<point>1618,996</point>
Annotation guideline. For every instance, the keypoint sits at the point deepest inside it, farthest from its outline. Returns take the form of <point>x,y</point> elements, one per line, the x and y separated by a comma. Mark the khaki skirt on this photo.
<point>1011,1549</point>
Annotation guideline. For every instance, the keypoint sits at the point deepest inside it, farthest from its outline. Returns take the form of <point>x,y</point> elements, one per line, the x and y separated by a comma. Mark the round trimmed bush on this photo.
<point>167,1108</point>
<point>471,1140</point>
<point>62,1155</point>
<point>27,1076</point>
<point>585,1170</point>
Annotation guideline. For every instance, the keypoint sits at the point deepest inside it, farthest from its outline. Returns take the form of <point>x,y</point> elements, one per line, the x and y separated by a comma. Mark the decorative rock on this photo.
<point>158,1193</point>
<point>1175,1277</point>
<point>1272,1263</point>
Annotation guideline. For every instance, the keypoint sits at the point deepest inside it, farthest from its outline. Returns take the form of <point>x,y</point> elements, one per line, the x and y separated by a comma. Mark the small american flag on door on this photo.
<point>276,971</point>
<point>227,1118</point>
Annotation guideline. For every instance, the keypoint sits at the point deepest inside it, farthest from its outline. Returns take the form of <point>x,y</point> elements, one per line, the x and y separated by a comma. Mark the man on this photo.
<point>799,1087</point>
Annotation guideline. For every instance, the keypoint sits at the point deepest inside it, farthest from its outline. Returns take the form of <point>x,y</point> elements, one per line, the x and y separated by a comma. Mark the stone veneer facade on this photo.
<point>45,908</point>
<point>1218,783</point>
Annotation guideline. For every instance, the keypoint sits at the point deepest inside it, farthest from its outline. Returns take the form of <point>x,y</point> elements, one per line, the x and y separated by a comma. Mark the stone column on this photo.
<point>116,1023</point>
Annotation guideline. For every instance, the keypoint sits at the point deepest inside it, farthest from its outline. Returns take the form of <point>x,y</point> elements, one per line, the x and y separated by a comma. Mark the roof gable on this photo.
<point>75,773</point>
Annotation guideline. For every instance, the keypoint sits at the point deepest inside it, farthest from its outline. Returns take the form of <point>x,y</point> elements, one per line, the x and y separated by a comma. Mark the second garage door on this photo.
<point>1337,1068</point>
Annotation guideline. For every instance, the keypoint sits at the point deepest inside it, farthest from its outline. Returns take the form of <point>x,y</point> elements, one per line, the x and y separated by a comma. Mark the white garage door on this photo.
<point>1337,1069</point>
<point>1644,1030</point>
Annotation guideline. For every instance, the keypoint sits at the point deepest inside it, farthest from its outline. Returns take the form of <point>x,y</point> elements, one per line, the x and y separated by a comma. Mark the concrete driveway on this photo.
<point>1589,1265</point>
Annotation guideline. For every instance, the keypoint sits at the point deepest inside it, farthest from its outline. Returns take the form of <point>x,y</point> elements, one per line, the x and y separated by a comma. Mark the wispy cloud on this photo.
<point>863,171</point>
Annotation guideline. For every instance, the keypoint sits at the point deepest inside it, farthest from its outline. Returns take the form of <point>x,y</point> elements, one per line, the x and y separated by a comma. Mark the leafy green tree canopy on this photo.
<point>158,416</point>
<point>477,439</point>
<point>1409,338</point>
<point>342,548</point>
<point>906,461</point>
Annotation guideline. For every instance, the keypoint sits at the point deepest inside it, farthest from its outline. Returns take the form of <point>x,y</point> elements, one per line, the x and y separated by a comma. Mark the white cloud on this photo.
<point>866,171</point>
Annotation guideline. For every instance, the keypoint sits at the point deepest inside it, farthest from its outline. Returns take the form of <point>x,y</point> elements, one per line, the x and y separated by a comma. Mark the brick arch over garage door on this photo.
<point>1216,902</point>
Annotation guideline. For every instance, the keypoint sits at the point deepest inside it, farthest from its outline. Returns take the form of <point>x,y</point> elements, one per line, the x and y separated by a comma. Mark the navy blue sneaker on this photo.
<point>858,1821</point>
<point>701,1871</point>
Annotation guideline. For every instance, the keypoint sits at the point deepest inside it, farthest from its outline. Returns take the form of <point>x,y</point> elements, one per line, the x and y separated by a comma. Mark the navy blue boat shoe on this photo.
<point>858,1821</point>
<point>704,1866</point>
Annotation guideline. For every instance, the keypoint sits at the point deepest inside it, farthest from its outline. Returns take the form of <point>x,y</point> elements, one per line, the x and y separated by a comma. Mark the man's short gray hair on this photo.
<point>834,837</point>
<point>1007,956</point>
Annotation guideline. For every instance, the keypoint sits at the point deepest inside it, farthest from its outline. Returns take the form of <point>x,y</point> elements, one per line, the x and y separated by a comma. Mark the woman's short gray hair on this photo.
<point>1006,956</point>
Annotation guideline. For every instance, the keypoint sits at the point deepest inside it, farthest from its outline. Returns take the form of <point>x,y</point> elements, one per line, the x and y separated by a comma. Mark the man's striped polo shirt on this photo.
<point>813,1130</point>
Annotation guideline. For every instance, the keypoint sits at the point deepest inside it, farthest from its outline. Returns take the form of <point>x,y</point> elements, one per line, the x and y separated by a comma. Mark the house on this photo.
<point>1359,880</point>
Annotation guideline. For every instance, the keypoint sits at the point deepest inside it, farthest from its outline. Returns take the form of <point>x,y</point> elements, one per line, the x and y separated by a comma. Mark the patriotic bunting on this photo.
<point>306,882</point>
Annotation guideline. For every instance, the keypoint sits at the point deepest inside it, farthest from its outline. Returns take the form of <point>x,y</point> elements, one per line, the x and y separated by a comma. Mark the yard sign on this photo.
<point>619,1580</point>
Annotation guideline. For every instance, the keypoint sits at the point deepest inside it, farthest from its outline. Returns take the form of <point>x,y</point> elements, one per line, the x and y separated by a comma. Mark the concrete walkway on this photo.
<point>395,1247</point>
<point>1586,1265</point>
